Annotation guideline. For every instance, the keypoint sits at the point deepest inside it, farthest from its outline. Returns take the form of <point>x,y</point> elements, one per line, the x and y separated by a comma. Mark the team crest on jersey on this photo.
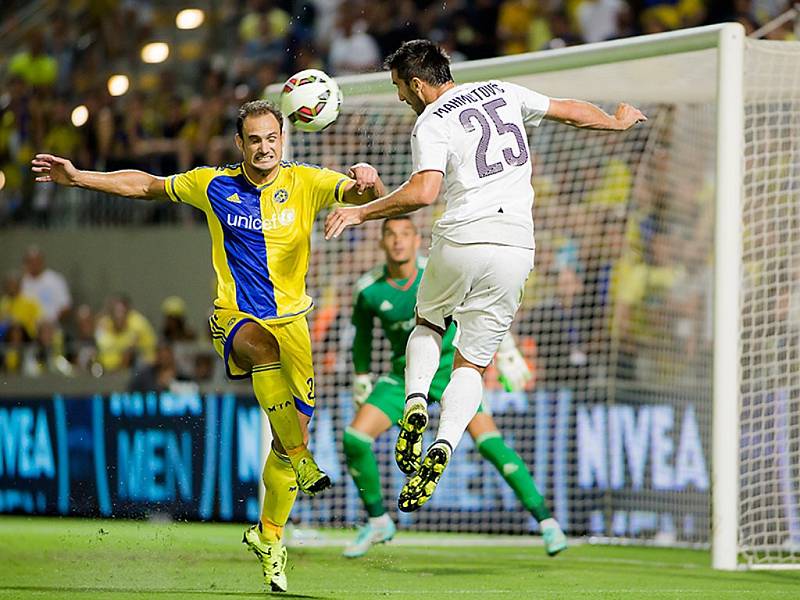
<point>280,196</point>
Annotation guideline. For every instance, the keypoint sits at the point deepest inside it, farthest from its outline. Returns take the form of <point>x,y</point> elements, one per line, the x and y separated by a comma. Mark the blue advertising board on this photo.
<point>634,468</point>
<point>132,455</point>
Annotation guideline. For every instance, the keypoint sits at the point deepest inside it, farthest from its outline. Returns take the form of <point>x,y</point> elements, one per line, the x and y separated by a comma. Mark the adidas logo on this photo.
<point>386,305</point>
<point>509,468</point>
<point>234,198</point>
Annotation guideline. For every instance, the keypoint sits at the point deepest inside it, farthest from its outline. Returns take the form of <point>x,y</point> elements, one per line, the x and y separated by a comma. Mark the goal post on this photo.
<point>727,292</point>
<point>663,256</point>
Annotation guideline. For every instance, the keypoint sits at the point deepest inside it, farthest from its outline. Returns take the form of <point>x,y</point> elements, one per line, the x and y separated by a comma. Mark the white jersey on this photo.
<point>51,290</point>
<point>475,135</point>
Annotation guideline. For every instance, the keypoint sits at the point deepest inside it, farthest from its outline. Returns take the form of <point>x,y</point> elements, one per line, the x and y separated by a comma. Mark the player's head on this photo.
<point>400,239</point>
<point>259,135</point>
<point>419,69</point>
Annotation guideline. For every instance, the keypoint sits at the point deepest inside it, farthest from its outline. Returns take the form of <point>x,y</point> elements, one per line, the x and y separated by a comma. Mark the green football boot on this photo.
<point>419,489</point>
<point>272,557</point>
<point>311,480</point>
<point>408,449</point>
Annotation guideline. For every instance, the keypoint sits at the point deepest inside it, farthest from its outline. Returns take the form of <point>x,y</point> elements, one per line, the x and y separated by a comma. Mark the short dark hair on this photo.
<point>397,218</point>
<point>257,107</point>
<point>420,58</point>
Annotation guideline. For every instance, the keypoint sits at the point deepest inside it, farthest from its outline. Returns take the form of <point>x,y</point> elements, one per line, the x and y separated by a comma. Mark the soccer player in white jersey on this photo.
<point>469,138</point>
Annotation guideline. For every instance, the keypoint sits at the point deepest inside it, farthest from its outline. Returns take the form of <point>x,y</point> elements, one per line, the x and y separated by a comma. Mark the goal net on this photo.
<point>769,499</point>
<point>617,319</point>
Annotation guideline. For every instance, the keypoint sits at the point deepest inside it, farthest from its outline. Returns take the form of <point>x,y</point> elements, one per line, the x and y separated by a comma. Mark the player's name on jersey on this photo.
<point>482,92</point>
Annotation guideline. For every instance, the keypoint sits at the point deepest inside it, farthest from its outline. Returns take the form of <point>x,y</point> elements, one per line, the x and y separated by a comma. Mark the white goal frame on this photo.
<point>729,41</point>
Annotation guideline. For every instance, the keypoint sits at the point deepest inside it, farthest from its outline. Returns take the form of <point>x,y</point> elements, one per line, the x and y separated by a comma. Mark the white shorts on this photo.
<point>480,286</point>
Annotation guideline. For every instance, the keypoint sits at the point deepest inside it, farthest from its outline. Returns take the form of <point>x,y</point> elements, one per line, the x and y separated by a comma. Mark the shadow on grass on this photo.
<point>149,592</point>
<point>433,571</point>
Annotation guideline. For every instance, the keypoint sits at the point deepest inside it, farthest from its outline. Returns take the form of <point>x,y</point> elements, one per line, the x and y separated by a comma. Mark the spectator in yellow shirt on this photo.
<point>513,24</point>
<point>17,308</point>
<point>124,337</point>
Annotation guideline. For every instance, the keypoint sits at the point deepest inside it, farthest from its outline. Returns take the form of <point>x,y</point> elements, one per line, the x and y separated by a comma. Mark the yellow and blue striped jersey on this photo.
<point>260,235</point>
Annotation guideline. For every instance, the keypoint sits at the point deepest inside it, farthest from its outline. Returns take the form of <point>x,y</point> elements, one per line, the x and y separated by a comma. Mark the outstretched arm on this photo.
<point>365,187</point>
<point>129,183</point>
<point>420,190</point>
<point>586,115</point>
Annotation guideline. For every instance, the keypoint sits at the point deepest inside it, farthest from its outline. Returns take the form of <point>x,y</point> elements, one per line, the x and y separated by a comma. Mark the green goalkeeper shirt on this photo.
<point>392,302</point>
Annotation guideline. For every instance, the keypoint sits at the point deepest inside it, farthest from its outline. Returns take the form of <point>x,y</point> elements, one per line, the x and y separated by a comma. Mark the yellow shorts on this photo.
<point>294,342</point>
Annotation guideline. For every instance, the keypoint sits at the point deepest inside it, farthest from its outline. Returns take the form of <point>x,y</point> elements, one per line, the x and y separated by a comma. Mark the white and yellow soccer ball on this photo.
<point>310,100</point>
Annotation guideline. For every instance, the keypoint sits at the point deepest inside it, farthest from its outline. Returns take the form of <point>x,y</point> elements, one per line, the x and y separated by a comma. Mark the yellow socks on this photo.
<point>275,398</point>
<point>281,491</point>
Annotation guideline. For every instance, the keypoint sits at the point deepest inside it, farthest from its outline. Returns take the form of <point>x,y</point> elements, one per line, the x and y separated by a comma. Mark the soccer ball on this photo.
<point>310,100</point>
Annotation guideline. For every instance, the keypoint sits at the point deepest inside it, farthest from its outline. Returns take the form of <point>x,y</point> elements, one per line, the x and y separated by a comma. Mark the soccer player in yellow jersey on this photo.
<point>260,215</point>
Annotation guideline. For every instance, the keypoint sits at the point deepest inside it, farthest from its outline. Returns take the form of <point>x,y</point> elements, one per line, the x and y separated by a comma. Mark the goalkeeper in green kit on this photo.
<point>388,292</point>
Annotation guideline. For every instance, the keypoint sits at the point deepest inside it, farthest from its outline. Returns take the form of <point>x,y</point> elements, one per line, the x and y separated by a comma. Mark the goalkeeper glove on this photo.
<point>362,388</point>
<point>513,370</point>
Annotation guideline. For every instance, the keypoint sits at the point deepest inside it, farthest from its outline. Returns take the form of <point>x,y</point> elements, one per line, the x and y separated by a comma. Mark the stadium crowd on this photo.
<point>180,113</point>
<point>175,117</point>
<point>42,331</point>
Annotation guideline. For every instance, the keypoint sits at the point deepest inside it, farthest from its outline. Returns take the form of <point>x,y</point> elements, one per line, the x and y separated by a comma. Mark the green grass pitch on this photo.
<point>77,559</point>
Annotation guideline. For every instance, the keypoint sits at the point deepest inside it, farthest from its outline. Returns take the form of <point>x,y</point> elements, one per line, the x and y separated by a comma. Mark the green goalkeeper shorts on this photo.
<point>389,393</point>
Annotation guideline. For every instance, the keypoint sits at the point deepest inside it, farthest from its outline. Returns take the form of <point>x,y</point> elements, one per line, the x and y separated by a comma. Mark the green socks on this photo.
<point>493,448</point>
<point>364,469</point>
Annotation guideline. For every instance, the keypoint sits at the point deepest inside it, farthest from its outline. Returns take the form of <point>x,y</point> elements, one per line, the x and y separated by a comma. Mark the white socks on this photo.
<point>461,397</point>
<point>423,351</point>
<point>460,402</point>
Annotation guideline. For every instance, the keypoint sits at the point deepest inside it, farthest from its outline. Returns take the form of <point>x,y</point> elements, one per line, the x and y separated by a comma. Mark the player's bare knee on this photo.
<point>481,423</point>
<point>254,345</point>
<point>459,361</point>
<point>370,421</point>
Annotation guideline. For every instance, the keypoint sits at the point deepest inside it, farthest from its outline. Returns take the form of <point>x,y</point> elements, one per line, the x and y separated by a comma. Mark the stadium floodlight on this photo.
<point>118,85</point>
<point>683,233</point>
<point>190,18</point>
<point>155,52</point>
<point>80,114</point>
